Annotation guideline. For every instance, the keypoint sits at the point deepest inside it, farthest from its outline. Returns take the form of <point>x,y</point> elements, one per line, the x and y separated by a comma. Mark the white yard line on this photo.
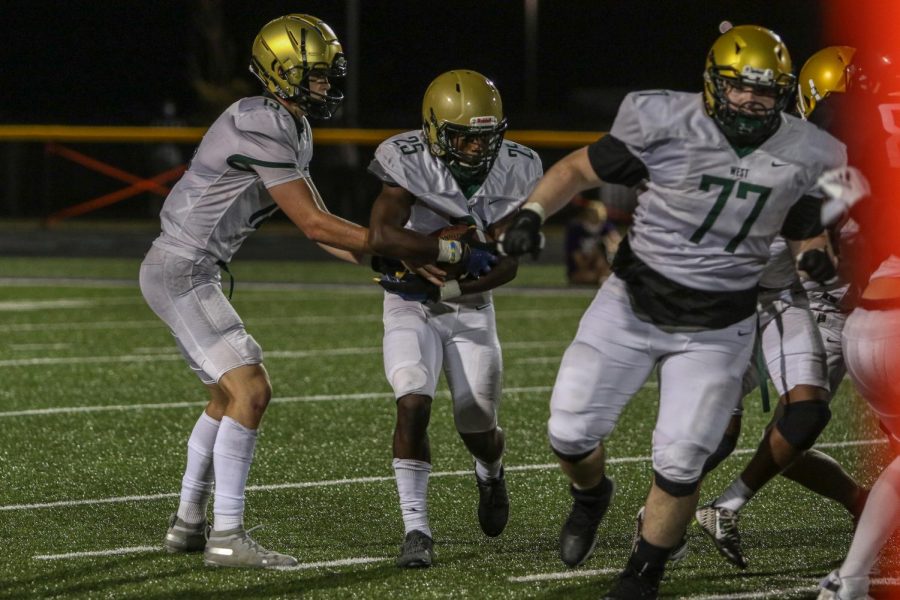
<point>562,575</point>
<point>112,552</point>
<point>60,410</point>
<point>343,562</point>
<point>374,479</point>
<point>774,593</point>
<point>259,322</point>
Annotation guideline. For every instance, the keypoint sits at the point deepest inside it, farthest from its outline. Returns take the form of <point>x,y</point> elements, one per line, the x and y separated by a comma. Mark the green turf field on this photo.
<point>96,406</point>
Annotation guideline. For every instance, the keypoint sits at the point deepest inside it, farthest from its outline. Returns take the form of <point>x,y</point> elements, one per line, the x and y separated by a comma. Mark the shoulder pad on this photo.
<point>261,115</point>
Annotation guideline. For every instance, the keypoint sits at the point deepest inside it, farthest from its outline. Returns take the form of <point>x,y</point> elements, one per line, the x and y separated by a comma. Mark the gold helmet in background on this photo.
<point>752,57</point>
<point>288,50</point>
<point>828,71</point>
<point>462,110</point>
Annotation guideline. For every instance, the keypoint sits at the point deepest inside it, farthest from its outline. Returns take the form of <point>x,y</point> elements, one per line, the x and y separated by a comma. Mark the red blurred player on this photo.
<point>869,123</point>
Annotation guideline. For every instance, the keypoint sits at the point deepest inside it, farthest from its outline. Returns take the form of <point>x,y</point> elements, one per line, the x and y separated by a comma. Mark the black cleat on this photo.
<point>579,533</point>
<point>632,585</point>
<point>417,551</point>
<point>493,504</point>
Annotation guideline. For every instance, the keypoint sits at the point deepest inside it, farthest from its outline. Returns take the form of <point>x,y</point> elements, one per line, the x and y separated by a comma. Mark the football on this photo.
<point>454,232</point>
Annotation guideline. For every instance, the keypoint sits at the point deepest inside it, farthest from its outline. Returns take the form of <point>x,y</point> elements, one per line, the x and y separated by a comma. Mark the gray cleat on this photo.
<point>417,551</point>
<point>720,524</point>
<point>185,537</point>
<point>235,548</point>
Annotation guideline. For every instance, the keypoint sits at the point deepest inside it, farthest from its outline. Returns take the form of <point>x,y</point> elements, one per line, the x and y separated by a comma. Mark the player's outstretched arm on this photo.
<point>390,212</point>
<point>297,199</point>
<point>556,188</point>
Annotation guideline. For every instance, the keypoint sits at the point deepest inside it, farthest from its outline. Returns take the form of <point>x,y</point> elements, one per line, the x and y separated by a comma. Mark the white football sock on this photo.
<point>878,521</point>
<point>196,485</point>
<point>232,457</point>
<point>412,486</point>
<point>735,497</point>
<point>486,470</point>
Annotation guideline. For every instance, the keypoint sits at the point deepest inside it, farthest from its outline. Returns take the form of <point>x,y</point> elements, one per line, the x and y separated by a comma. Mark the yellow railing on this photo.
<point>190,135</point>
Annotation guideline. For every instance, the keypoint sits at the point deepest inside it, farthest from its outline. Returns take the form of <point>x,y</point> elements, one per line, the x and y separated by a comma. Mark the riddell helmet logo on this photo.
<point>488,121</point>
<point>766,76</point>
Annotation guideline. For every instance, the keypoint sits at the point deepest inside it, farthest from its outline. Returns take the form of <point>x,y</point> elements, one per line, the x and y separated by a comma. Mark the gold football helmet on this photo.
<point>828,71</point>
<point>288,50</point>
<point>463,122</point>
<point>753,57</point>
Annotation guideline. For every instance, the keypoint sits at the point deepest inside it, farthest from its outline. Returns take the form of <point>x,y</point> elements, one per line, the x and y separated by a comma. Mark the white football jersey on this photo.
<point>222,197</point>
<point>406,161</point>
<point>707,215</point>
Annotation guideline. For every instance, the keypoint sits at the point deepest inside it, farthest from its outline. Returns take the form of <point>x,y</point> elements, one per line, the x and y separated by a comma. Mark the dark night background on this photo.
<point>108,62</point>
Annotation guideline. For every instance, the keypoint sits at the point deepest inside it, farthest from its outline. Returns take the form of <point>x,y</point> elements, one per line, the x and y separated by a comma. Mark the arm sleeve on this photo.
<point>614,162</point>
<point>804,220</point>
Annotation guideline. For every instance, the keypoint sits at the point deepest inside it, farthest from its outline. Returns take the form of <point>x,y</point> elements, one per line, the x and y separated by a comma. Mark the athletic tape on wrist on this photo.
<point>450,290</point>
<point>536,208</point>
<point>449,251</point>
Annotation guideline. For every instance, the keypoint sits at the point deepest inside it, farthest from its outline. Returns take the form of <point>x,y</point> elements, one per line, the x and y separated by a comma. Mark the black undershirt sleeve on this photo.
<point>804,220</point>
<point>614,163</point>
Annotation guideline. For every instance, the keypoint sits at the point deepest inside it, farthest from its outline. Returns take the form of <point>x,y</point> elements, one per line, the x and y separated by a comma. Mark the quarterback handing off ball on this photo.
<point>465,233</point>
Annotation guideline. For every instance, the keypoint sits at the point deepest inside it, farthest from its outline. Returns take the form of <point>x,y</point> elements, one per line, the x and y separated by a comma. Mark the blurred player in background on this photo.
<point>456,170</point>
<point>591,242</point>
<point>722,173</point>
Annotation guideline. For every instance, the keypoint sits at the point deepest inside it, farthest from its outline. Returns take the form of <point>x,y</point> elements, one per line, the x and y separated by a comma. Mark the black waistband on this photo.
<point>669,303</point>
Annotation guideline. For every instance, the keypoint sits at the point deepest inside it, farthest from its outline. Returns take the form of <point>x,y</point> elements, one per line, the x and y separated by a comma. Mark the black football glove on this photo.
<point>411,288</point>
<point>524,235</point>
<point>388,266</point>
<point>818,265</point>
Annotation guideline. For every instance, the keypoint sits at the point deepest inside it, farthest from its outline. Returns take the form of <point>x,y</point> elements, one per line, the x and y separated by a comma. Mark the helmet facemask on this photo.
<point>473,148</point>
<point>318,106</point>
<point>751,122</point>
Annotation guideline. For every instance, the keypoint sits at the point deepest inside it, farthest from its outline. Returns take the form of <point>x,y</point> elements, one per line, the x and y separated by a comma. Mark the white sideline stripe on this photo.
<point>285,400</point>
<point>562,575</point>
<point>376,479</point>
<point>132,358</point>
<point>113,552</point>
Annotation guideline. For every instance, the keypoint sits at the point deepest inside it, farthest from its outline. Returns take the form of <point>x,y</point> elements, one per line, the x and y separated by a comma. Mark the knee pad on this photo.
<point>802,422</point>
<point>679,489</point>
<point>572,458</point>
<point>410,379</point>
<point>723,451</point>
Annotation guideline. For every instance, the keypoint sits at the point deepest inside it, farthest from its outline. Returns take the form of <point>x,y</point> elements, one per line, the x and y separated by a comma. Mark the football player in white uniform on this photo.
<point>457,169</point>
<point>253,161</point>
<point>723,173</point>
<point>802,355</point>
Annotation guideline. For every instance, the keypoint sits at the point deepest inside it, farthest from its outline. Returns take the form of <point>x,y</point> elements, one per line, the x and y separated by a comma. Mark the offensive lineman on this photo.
<point>253,161</point>
<point>723,173</point>
<point>456,170</point>
<point>804,363</point>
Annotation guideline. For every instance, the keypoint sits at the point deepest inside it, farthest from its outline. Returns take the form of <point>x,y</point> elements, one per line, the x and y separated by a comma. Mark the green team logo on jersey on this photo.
<point>727,186</point>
